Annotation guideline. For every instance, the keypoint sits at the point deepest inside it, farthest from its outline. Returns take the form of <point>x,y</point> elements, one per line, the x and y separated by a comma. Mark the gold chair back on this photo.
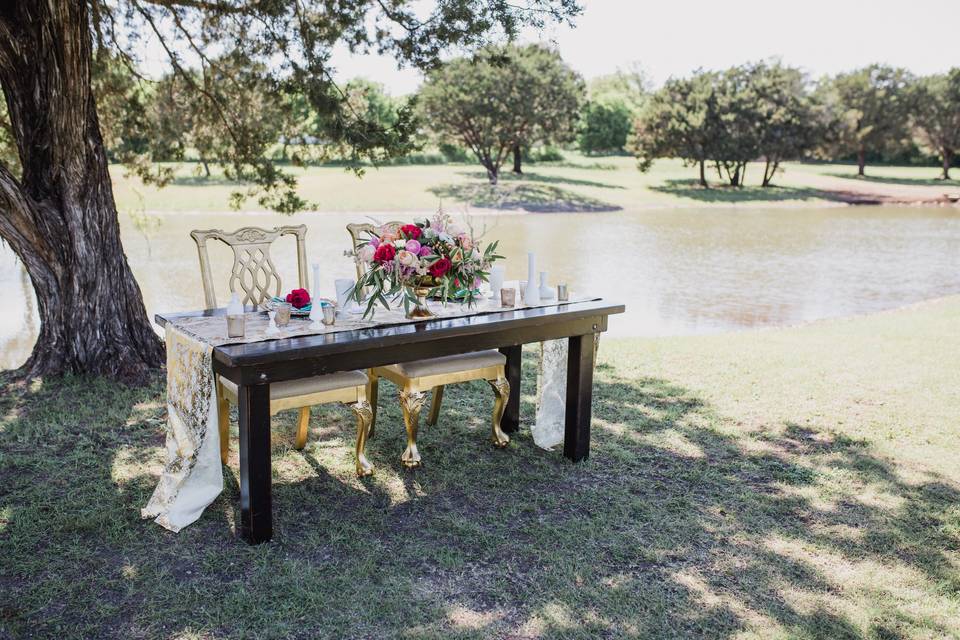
<point>253,271</point>
<point>358,229</point>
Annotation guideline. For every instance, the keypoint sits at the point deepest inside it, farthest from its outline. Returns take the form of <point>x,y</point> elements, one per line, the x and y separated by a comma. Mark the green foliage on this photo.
<point>630,88</point>
<point>730,118</point>
<point>867,110</point>
<point>500,99</point>
<point>604,127</point>
<point>255,74</point>
<point>936,115</point>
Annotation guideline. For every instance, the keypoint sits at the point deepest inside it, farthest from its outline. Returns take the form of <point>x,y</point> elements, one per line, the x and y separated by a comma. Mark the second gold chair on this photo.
<point>414,378</point>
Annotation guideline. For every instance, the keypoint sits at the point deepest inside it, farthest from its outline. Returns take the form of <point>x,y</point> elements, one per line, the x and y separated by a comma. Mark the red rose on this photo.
<point>384,253</point>
<point>411,231</point>
<point>440,267</point>
<point>299,298</point>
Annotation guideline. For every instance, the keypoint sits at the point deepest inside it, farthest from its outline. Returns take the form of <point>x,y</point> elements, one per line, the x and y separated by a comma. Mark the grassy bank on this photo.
<point>579,184</point>
<point>793,483</point>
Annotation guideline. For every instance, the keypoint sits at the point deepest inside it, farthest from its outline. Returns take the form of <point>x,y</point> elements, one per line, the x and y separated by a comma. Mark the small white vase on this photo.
<point>546,293</point>
<point>532,293</point>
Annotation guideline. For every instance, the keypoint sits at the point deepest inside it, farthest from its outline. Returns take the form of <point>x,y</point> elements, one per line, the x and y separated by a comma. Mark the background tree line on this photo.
<point>721,120</point>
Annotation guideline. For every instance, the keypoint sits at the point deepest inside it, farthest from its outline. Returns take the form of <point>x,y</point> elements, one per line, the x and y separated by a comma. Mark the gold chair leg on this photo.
<point>303,425</point>
<point>373,390</point>
<point>501,388</point>
<point>411,402</point>
<point>364,422</point>
<point>223,422</point>
<point>435,405</point>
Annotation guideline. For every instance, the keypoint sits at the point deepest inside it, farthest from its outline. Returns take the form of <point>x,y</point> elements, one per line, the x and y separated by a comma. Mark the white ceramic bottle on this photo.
<point>532,293</point>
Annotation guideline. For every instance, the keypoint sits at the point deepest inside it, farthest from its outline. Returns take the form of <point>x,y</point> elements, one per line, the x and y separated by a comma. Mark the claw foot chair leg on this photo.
<point>501,389</point>
<point>411,403</point>
<point>364,426</point>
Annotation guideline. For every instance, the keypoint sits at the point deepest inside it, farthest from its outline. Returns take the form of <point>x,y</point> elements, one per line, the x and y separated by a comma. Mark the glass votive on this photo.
<point>236,325</point>
<point>283,314</point>
<point>523,289</point>
<point>329,314</point>
<point>562,294</point>
<point>508,297</point>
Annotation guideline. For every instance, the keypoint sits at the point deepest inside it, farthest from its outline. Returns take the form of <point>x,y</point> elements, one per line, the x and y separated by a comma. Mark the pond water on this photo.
<point>678,271</point>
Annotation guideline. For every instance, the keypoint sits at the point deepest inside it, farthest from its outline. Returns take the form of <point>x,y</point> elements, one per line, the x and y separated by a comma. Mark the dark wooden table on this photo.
<point>253,367</point>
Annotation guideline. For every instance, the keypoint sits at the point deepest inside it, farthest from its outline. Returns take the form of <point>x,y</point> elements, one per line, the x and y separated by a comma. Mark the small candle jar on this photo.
<point>283,314</point>
<point>562,294</point>
<point>236,325</point>
<point>329,314</point>
<point>508,297</point>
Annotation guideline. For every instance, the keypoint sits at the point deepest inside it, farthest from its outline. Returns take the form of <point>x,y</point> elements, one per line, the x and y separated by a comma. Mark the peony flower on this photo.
<point>374,242</point>
<point>299,298</point>
<point>407,258</point>
<point>412,246</point>
<point>439,268</point>
<point>425,251</point>
<point>366,253</point>
<point>384,253</point>
<point>410,231</point>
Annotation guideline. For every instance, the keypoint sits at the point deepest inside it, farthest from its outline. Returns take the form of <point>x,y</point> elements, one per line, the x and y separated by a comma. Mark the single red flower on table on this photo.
<point>411,231</point>
<point>299,298</point>
<point>440,267</point>
<point>384,253</point>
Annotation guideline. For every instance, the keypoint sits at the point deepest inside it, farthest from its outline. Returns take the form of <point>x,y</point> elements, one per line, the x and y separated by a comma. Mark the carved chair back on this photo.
<point>359,231</point>
<point>253,272</point>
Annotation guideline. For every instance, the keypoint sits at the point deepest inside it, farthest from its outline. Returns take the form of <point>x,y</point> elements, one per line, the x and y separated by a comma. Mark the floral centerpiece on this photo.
<point>433,257</point>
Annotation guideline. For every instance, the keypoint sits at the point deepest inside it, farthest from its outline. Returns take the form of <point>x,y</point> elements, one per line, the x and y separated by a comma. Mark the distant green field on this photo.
<point>578,184</point>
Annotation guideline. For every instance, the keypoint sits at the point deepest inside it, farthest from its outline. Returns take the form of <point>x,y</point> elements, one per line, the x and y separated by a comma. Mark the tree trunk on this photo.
<point>703,175</point>
<point>206,167</point>
<point>861,160</point>
<point>60,217</point>
<point>516,159</point>
<point>947,161</point>
<point>769,171</point>
<point>735,176</point>
<point>492,172</point>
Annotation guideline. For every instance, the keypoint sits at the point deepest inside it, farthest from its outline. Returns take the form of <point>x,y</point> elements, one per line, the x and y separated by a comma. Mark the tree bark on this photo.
<point>735,177</point>
<point>703,175</point>
<point>516,159</point>
<point>206,167</point>
<point>947,161</point>
<point>861,160</point>
<point>769,171</point>
<point>60,217</point>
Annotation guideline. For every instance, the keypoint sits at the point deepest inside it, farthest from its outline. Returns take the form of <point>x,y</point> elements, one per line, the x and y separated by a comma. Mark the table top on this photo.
<point>319,345</point>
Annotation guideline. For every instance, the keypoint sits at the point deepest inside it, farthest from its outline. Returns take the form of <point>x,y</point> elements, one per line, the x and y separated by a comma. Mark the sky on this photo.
<point>673,37</point>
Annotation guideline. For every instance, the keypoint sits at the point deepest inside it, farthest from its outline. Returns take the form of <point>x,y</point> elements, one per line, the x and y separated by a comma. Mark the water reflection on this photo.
<point>678,271</point>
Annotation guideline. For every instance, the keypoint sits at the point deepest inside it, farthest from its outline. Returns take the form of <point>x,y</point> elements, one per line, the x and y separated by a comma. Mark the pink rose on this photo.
<point>425,251</point>
<point>412,246</point>
<point>406,258</point>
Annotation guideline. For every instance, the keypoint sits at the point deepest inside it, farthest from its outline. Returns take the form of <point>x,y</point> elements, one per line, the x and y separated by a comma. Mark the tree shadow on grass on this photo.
<point>539,198</point>
<point>931,182</point>
<point>679,525</point>
<point>684,188</point>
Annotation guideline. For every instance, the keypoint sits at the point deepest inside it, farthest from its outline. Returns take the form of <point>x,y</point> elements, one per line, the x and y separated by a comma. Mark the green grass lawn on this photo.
<point>578,184</point>
<point>788,483</point>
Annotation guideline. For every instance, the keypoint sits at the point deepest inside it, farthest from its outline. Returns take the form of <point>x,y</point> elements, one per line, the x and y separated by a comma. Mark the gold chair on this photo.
<point>434,373</point>
<point>256,276</point>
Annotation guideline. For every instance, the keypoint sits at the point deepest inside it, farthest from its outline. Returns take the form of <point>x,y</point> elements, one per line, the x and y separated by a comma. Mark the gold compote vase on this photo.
<point>418,291</point>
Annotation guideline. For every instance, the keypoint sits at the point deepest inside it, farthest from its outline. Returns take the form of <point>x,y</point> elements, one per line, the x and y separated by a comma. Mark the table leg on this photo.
<point>576,439</point>
<point>256,514</point>
<point>510,422</point>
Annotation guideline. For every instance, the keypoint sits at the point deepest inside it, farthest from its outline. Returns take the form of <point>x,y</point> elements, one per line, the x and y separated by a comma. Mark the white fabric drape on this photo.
<point>192,477</point>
